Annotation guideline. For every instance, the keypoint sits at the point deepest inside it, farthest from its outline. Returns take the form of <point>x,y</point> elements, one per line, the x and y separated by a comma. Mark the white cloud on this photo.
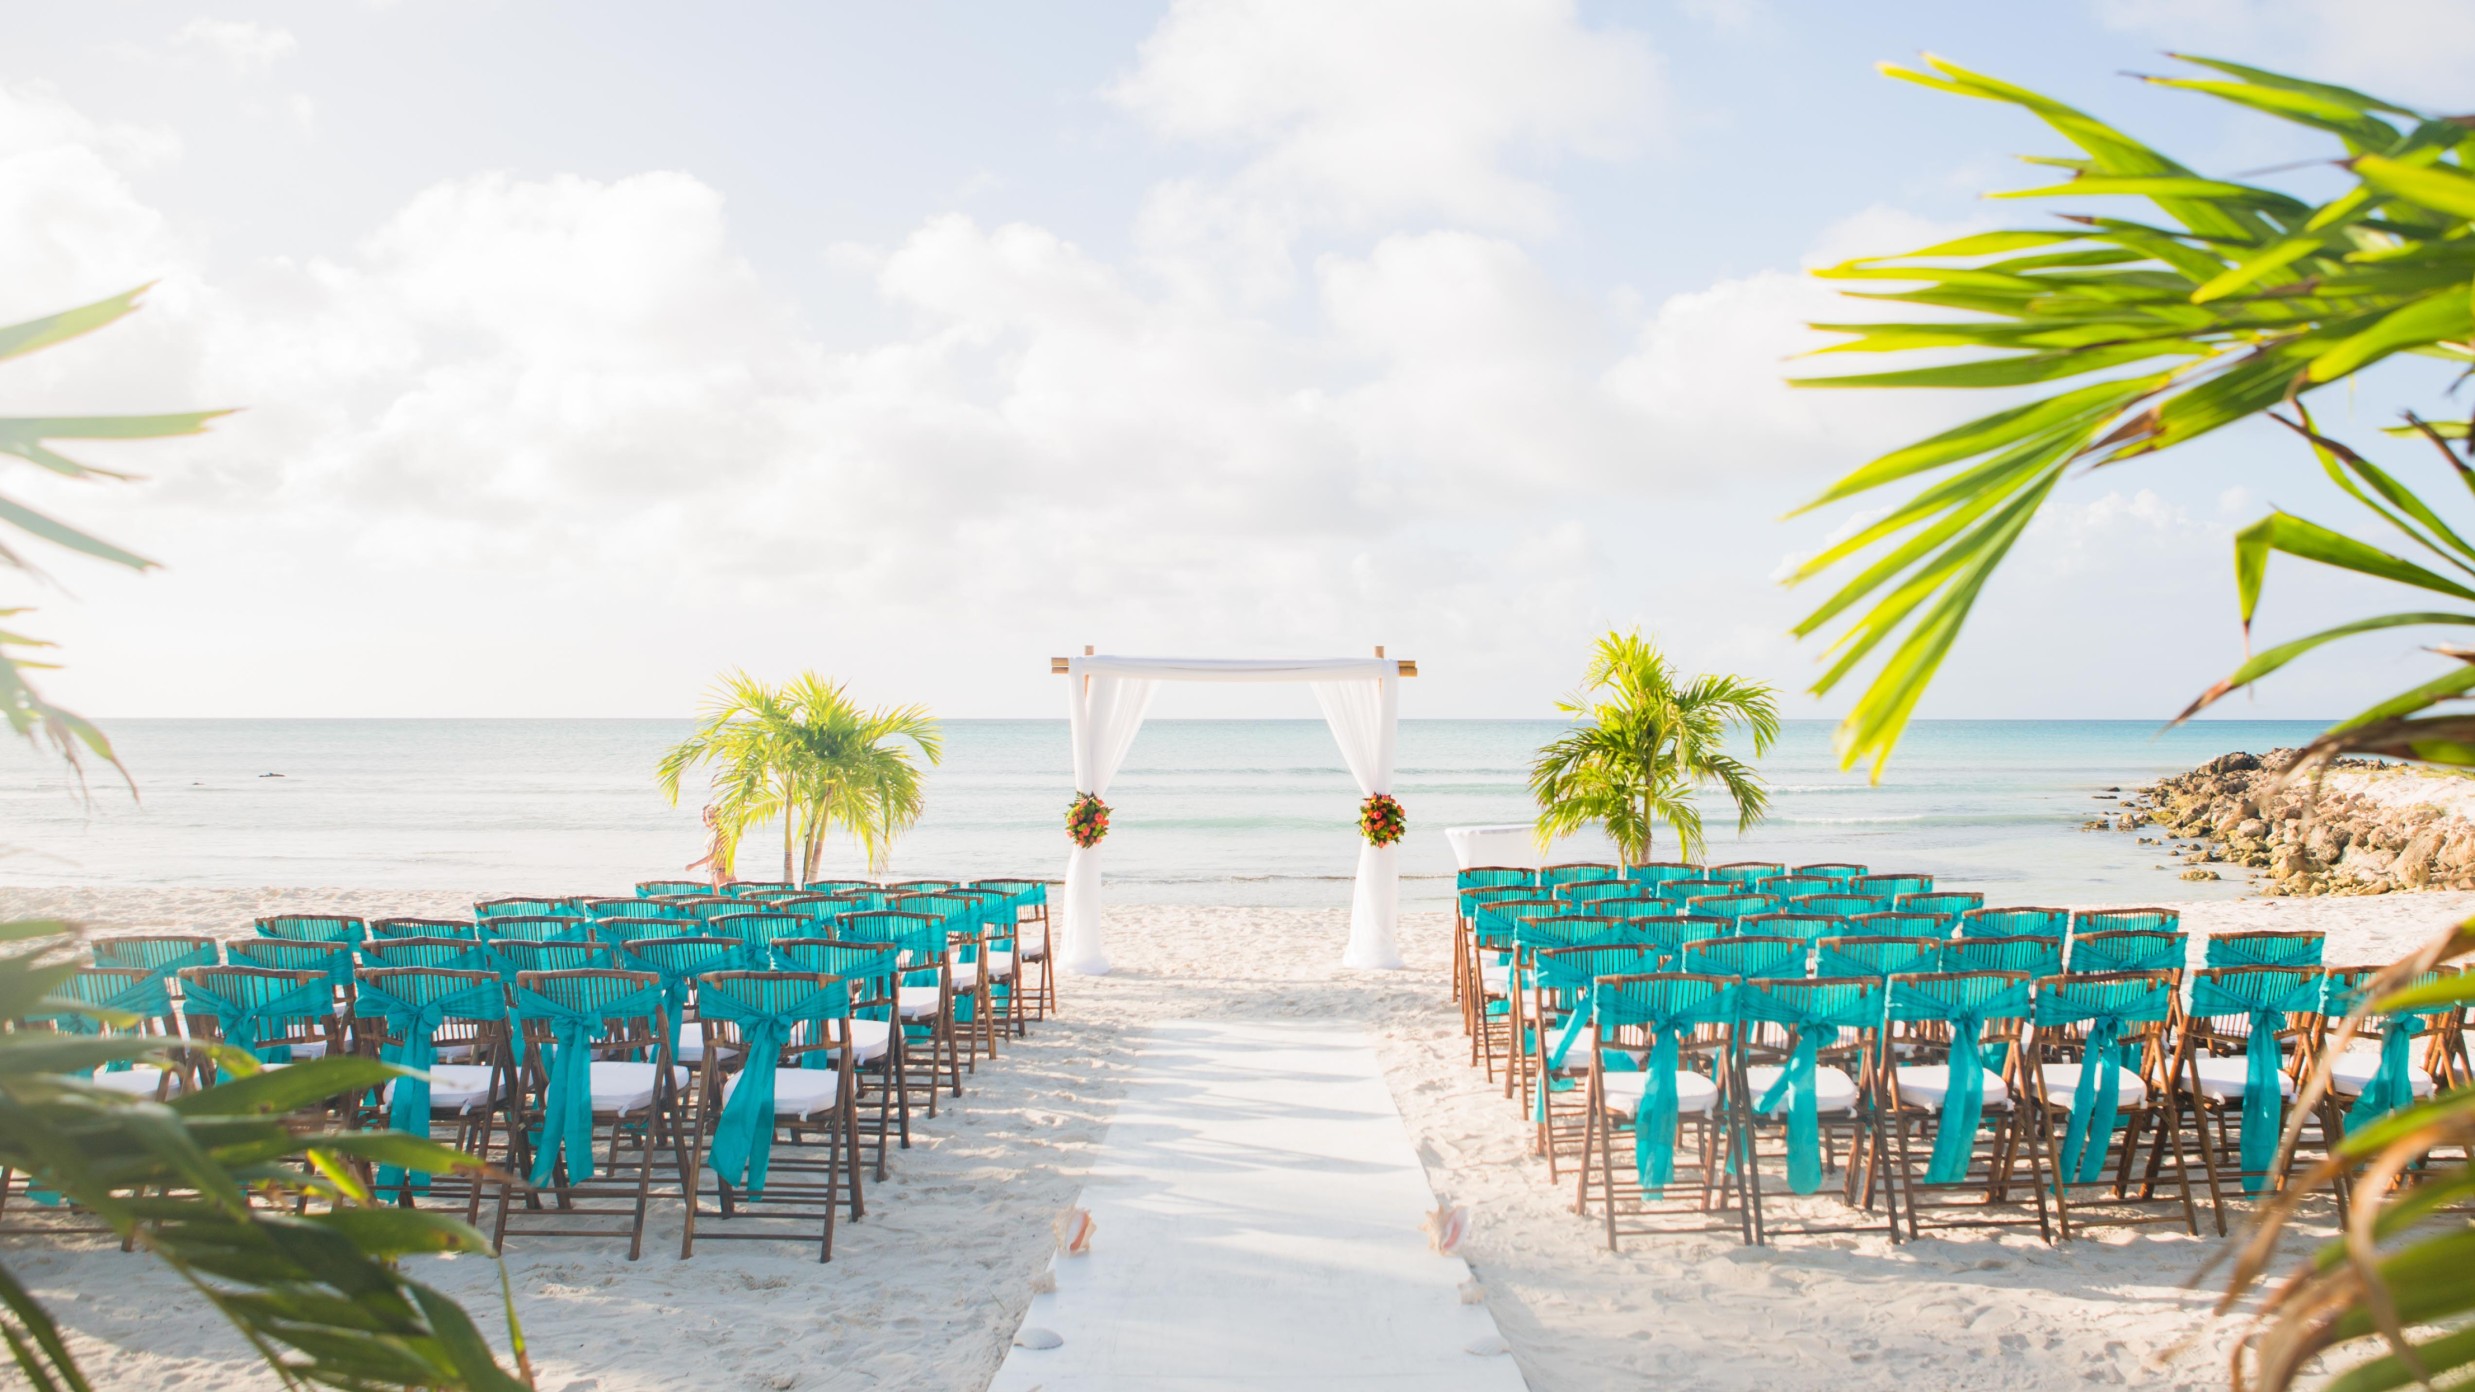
<point>2407,50</point>
<point>243,46</point>
<point>554,416</point>
<point>1349,115</point>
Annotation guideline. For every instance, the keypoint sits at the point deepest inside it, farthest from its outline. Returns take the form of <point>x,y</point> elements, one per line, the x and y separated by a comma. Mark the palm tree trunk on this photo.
<point>814,852</point>
<point>790,828</point>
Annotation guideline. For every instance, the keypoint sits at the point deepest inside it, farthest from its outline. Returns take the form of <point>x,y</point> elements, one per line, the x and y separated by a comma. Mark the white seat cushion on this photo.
<point>1494,975</point>
<point>454,1087</point>
<point>797,1092</point>
<point>1695,1094</point>
<point>692,1047</point>
<point>966,975</point>
<point>137,1080</point>
<point>1927,1084</point>
<point>2063,1079</point>
<point>2353,1071</point>
<point>308,1049</point>
<point>1833,1089</point>
<point>1000,966</point>
<point>871,1036</point>
<point>917,1002</point>
<point>625,1088</point>
<point>2224,1078</point>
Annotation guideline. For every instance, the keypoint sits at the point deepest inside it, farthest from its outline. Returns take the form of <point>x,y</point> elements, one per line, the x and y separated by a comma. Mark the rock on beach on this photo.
<point>2355,827</point>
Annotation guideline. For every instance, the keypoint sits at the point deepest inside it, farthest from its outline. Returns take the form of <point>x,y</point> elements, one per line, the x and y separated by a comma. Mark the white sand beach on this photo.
<point>928,1290</point>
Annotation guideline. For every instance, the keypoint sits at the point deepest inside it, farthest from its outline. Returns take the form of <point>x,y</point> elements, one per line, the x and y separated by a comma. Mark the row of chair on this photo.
<point>753,1074</point>
<point>1952,1079</point>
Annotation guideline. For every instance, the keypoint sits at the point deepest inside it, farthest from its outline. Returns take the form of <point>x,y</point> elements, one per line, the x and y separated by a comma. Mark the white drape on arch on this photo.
<point>1360,697</point>
<point>1105,712</point>
<point>1364,716</point>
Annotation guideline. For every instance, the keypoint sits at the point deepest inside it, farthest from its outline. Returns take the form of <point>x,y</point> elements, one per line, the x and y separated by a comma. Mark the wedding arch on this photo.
<point>1361,699</point>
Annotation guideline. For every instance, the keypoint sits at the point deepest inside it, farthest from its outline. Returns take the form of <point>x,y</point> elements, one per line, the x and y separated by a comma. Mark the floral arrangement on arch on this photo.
<point>1087,820</point>
<point>1381,820</point>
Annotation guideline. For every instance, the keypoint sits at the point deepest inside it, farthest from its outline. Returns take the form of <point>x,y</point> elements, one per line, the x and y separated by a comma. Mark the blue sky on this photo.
<point>591,349</point>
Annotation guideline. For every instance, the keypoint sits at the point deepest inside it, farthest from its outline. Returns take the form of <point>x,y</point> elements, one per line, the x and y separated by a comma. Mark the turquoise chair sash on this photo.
<point>332,960</point>
<point>1670,1008</point>
<point>2015,923</point>
<point>1900,925</point>
<point>1817,1011</point>
<point>2392,1084</point>
<point>1948,902</point>
<point>1876,957</point>
<point>149,998</point>
<point>1768,959</point>
<point>2106,1008</point>
<point>1838,904</point>
<point>664,889</point>
<point>1572,976</point>
<point>158,957</point>
<point>869,969</point>
<point>413,1009</point>
<point>1964,1003</point>
<point>1659,872</point>
<point>769,1011</point>
<point>434,954</point>
<point>678,962</point>
<point>2129,950</point>
<point>1688,890</point>
<point>312,928</point>
<point>567,1064</point>
<point>245,1007</point>
<point>1733,907</point>
<point>384,929</point>
<point>2297,950</point>
<point>2265,998</point>
<point>1809,926</point>
<point>2035,956</point>
<point>2126,921</point>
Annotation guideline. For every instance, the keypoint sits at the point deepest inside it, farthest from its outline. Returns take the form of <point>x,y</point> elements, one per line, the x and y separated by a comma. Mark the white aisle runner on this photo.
<point>1258,1217</point>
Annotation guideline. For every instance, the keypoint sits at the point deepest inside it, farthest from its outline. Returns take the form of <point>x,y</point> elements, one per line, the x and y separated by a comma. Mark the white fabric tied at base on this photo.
<point>1364,716</point>
<point>1105,712</point>
<point>1361,700</point>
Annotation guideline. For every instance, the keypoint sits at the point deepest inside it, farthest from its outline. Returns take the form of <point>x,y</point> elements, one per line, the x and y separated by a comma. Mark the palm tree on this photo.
<point>809,756</point>
<point>1645,744</point>
<point>857,772</point>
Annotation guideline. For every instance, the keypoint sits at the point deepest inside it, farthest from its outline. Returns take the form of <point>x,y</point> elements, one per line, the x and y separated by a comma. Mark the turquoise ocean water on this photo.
<point>1207,811</point>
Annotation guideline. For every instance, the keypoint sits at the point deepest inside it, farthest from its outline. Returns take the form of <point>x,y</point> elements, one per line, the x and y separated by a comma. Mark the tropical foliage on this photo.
<point>1644,742</point>
<point>808,756</point>
<point>265,1213</point>
<point>2117,337</point>
<point>29,439</point>
<point>2131,337</point>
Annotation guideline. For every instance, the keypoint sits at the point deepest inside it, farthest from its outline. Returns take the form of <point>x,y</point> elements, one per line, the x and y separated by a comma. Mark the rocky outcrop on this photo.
<point>2366,828</point>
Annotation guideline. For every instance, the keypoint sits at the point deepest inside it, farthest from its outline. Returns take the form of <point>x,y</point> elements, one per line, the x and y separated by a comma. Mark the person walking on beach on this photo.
<point>715,862</point>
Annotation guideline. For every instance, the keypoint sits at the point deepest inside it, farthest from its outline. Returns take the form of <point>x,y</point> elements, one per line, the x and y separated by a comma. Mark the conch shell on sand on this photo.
<point>1446,1225</point>
<point>1074,1228</point>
